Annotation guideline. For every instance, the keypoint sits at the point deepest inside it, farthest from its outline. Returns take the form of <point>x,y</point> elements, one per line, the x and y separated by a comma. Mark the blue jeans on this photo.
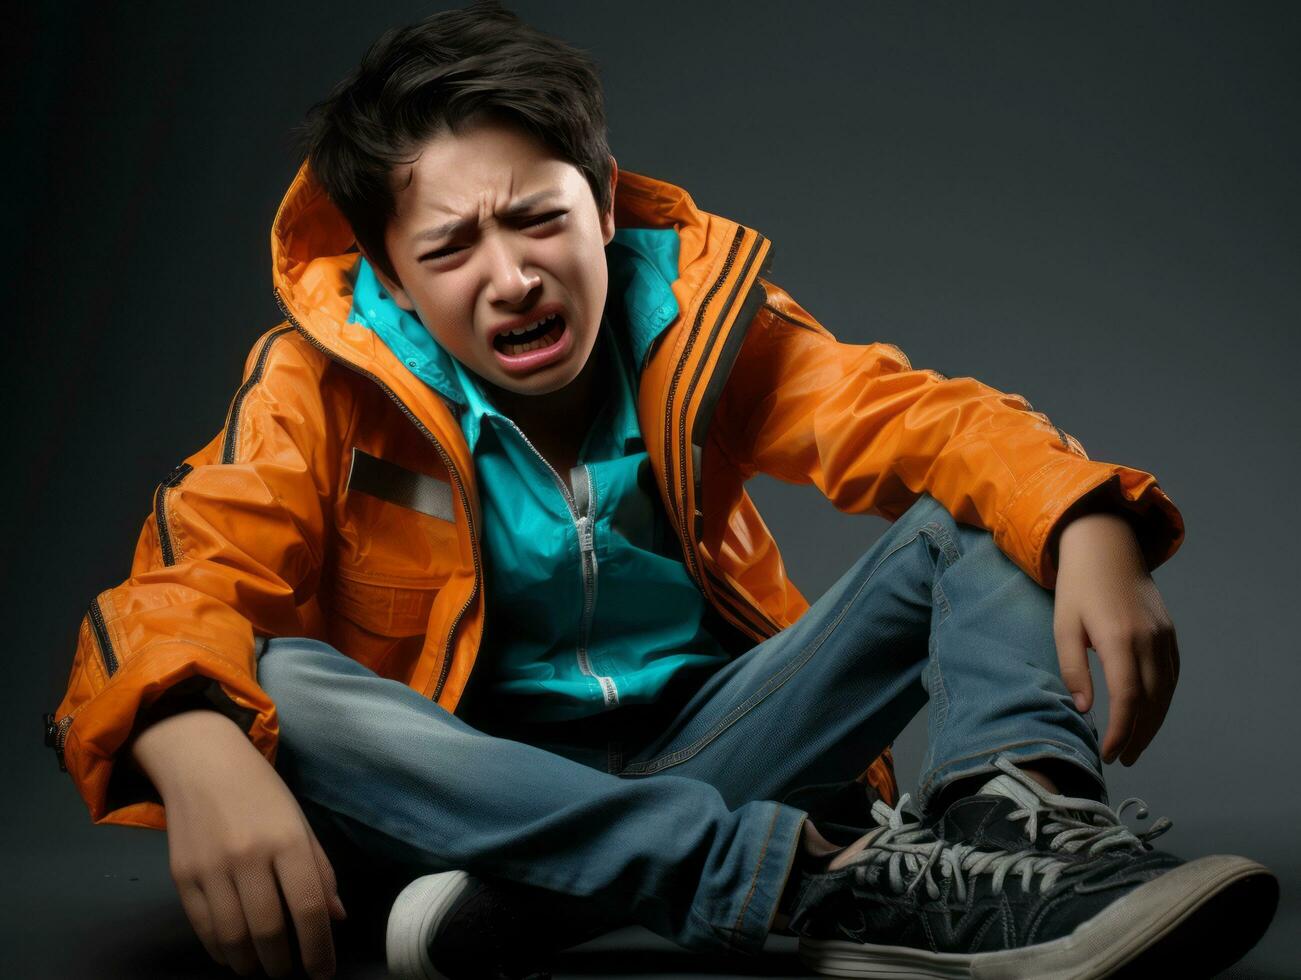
<point>673,821</point>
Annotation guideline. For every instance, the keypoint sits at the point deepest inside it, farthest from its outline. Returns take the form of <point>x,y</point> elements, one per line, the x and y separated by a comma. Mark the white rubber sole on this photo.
<point>415,916</point>
<point>1236,897</point>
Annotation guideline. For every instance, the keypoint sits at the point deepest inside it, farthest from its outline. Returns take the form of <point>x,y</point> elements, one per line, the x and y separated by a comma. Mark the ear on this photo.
<point>607,219</point>
<point>391,286</point>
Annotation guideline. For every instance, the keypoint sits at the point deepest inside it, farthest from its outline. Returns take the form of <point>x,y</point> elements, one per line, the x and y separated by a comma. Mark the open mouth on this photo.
<point>544,333</point>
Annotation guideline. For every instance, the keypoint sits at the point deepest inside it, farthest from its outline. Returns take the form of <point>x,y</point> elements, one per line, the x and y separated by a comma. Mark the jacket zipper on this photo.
<point>232,426</point>
<point>56,736</point>
<point>100,629</point>
<point>56,733</point>
<point>581,510</point>
<point>160,512</point>
<point>447,461</point>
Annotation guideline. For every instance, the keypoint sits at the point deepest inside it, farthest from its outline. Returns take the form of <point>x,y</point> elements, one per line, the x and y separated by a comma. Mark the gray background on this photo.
<point>1095,206</point>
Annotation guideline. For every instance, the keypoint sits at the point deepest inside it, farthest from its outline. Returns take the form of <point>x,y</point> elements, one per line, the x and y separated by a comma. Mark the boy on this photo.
<point>472,570</point>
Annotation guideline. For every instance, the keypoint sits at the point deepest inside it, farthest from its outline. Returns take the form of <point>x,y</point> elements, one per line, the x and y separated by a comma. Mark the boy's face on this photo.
<point>500,267</point>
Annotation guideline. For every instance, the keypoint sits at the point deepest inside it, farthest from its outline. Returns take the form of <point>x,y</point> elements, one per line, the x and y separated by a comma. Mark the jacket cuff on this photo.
<point>97,750</point>
<point>1058,495</point>
<point>127,785</point>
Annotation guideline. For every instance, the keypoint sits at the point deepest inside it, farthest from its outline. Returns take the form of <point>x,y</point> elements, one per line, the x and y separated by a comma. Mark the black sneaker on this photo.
<point>1037,887</point>
<point>454,926</point>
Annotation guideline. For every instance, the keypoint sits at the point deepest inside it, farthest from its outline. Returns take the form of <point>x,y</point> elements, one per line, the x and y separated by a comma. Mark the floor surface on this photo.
<point>101,914</point>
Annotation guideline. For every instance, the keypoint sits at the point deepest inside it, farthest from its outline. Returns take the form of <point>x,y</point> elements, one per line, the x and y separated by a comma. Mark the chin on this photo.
<point>532,386</point>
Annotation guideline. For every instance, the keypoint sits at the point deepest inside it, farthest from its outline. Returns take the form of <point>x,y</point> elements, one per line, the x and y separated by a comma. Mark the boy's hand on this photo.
<point>1105,599</point>
<point>238,840</point>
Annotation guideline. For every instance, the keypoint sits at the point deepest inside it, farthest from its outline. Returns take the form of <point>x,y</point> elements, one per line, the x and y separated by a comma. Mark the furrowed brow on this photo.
<point>520,207</point>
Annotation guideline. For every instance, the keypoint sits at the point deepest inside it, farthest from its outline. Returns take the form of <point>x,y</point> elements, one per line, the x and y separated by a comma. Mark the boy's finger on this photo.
<point>1073,657</point>
<point>1124,688</point>
<point>228,923</point>
<point>266,921</point>
<point>304,892</point>
<point>329,881</point>
<point>195,905</point>
<point>1154,671</point>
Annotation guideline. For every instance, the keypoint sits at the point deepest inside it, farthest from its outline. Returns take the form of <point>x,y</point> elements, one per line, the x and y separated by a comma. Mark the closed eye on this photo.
<point>543,219</point>
<point>536,222</point>
<point>443,252</point>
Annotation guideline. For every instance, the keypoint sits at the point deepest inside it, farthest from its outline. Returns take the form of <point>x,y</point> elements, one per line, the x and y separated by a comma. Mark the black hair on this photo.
<point>418,80</point>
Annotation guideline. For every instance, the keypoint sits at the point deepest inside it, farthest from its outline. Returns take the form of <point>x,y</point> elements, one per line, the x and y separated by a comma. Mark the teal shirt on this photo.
<point>589,605</point>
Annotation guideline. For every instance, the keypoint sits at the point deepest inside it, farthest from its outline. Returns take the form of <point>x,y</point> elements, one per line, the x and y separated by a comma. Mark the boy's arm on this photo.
<point>230,553</point>
<point>872,433</point>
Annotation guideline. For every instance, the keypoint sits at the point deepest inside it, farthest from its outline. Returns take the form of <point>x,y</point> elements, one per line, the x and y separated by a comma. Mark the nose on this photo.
<point>509,283</point>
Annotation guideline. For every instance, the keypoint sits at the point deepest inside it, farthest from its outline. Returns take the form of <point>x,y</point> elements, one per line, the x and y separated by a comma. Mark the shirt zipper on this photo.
<point>586,502</point>
<point>582,507</point>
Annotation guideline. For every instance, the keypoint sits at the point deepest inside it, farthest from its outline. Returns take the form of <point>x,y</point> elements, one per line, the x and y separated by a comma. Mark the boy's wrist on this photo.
<point>1101,500</point>
<point>163,748</point>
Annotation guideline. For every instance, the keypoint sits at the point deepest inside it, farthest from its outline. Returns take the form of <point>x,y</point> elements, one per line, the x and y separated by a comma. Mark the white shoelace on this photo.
<point>1075,821</point>
<point>906,848</point>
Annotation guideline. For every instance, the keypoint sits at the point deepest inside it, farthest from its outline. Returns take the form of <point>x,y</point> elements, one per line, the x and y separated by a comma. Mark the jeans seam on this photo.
<point>771,684</point>
<point>939,696</point>
<point>948,547</point>
<point>940,599</point>
<point>739,928</point>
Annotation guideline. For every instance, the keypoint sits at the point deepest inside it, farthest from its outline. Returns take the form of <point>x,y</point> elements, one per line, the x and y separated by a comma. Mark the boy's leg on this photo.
<point>416,786</point>
<point>933,608</point>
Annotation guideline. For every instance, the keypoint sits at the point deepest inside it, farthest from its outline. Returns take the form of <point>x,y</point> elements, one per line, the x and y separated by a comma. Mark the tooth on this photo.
<point>516,349</point>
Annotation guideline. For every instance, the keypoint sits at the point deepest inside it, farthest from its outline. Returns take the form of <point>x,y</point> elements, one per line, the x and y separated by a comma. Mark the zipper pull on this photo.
<point>52,740</point>
<point>177,474</point>
<point>585,530</point>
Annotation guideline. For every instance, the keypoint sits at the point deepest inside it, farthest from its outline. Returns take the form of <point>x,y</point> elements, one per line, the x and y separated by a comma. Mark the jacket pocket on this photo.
<point>379,621</point>
<point>395,527</point>
<point>382,607</point>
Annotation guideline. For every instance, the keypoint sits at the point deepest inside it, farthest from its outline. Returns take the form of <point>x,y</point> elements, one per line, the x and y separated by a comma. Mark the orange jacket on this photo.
<point>339,499</point>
